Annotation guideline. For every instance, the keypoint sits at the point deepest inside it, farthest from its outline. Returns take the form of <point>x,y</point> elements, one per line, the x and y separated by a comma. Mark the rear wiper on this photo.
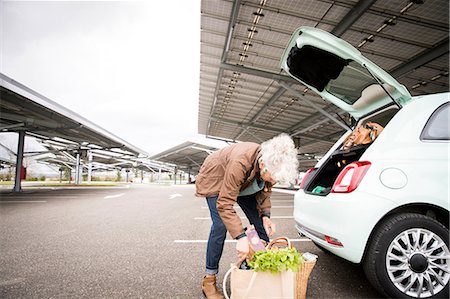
<point>381,84</point>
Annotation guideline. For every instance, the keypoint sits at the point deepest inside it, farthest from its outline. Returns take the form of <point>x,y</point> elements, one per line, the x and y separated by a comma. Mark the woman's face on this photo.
<point>265,174</point>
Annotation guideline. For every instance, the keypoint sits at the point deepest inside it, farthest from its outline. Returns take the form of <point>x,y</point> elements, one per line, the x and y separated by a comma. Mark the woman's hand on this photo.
<point>242,248</point>
<point>269,226</point>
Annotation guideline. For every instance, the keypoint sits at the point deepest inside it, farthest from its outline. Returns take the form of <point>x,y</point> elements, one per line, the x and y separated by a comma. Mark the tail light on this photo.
<point>350,177</point>
<point>304,179</point>
<point>333,241</point>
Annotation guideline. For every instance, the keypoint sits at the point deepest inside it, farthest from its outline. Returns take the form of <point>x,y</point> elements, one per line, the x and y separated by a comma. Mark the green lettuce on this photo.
<point>276,261</point>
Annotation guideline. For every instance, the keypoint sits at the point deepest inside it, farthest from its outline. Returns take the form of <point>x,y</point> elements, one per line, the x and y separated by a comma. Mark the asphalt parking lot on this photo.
<point>138,241</point>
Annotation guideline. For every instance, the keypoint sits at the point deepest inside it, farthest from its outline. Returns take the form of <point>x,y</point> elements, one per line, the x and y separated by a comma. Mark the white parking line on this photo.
<point>23,201</point>
<point>114,196</point>
<point>175,195</point>
<point>271,217</point>
<point>233,241</point>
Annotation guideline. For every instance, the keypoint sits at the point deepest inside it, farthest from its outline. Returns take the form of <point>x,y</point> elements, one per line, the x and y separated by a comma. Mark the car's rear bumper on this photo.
<point>345,218</point>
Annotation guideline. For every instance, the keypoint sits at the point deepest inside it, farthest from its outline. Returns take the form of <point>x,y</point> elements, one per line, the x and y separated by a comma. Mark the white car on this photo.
<point>384,204</point>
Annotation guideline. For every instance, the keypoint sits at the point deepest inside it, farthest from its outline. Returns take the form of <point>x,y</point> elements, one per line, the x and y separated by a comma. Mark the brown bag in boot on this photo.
<point>362,135</point>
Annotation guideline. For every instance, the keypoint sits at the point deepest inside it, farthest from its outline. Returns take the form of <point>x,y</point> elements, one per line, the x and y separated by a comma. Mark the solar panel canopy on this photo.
<point>243,94</point>
<point>188,156</point>
<point>23,109</point>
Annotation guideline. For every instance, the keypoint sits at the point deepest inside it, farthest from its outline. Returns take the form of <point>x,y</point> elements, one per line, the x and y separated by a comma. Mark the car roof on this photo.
<point>409,122</point>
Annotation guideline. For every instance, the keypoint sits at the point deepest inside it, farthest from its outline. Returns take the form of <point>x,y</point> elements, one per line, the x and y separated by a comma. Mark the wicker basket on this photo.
<point>303,273</point>
<point>302,279</point>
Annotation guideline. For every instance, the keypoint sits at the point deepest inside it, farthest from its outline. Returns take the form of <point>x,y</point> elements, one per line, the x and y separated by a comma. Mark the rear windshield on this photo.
<point>350,83</point>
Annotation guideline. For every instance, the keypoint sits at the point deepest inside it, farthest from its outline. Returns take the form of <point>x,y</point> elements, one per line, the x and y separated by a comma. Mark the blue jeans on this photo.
<point>218,232</point>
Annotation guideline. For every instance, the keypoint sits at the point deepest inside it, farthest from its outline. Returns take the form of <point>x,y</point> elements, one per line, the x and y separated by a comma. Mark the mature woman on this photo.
<point>242,173</point>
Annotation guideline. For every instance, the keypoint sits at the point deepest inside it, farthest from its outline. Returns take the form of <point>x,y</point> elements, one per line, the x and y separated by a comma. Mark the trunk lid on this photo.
<point>340,74</point>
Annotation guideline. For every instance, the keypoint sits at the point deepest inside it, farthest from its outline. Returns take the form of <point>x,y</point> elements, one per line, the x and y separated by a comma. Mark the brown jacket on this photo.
<point>225,173</point>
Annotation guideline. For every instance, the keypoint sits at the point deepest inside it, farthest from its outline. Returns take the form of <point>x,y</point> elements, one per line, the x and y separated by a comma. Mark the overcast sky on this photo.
<point>131,67</point>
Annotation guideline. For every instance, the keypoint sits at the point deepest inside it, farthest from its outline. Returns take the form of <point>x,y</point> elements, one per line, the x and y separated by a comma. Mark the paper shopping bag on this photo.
<point>248,284</point>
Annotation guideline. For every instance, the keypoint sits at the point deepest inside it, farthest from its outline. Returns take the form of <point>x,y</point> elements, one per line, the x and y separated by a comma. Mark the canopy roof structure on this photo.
<point>23,109</point>
<point>244,94</point>
<point>68,139</point>
<point>5,162</point>
<point>101,160</point>
<point>187,156</point>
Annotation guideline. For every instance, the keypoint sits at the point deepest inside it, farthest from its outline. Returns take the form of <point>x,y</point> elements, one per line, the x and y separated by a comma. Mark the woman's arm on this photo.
<point>234,177</point>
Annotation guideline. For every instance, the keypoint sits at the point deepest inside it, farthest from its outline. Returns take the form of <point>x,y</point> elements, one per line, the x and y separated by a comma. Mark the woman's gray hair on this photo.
<point>279,156</point>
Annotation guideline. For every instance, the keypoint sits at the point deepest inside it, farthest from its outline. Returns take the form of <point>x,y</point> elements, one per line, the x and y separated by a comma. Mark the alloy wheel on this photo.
<point>418,263</point>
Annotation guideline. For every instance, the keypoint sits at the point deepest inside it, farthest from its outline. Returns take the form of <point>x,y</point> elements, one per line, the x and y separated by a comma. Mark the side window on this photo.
<point>437,127</point>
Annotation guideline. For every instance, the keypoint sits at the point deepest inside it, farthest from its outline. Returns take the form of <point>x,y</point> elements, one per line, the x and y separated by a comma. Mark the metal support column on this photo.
<point>175,175</point>
<point>19,160</point>
<point>77,170</point>
<point>89,178</point>
<point>60,174</point>
<point>159,176</point>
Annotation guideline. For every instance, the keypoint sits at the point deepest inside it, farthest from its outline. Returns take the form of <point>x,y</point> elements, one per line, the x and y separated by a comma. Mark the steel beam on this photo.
<point>421,59</point>
<point>383,12</point>
<point>298,94</point>
<point>227,141</point>
<point>11,152</point>
<point>13,126</point>
<point>193,161</point>
<point>251,134</point>
<point>266,128</point>
<point>209,152</point>
<point>258,73</point>
<point>313,126</point>
<point>269,103</point>
<point>352,16</point>
<point>329,137</point>
<point>241,124</point>
<point>310,118</point>
<point>231,24</point>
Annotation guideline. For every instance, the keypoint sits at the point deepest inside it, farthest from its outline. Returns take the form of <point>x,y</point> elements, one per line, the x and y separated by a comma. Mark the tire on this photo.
<point>397,261</point>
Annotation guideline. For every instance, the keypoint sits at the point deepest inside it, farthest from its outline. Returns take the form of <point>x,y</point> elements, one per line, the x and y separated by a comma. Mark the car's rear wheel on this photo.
<point>409,257</point>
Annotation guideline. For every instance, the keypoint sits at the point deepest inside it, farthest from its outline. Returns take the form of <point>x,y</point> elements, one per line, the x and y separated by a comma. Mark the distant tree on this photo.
<point>119,176</point>
<point>67,173</point>
<point>10,173</point>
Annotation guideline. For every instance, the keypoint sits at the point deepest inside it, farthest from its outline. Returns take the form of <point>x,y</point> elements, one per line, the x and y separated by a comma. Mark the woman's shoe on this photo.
<point>209,287</point>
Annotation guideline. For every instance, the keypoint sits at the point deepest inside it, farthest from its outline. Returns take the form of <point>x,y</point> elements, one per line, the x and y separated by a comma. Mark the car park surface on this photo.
<point>145,241</point>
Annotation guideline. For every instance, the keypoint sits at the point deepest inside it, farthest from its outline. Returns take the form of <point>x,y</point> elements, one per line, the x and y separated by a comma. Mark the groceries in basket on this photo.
<point>276,260</point>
